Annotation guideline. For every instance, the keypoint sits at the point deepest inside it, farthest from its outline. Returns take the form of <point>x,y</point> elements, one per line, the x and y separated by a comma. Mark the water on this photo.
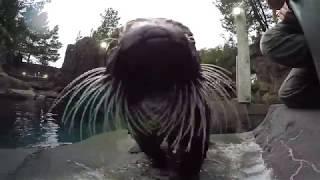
<point>24,123</point>
<point>236,156</point>
<point>230,157</point>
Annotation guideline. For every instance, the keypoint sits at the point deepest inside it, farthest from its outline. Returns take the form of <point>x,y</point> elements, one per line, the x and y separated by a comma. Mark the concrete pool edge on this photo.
<point>12,159</point>
<point>106,155</point>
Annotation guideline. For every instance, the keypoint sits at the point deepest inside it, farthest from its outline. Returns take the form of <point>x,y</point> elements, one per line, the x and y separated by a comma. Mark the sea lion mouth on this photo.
<point>155,57</point>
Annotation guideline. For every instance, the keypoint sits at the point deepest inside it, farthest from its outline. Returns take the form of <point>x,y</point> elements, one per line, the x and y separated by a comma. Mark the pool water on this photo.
<point>24,123</point>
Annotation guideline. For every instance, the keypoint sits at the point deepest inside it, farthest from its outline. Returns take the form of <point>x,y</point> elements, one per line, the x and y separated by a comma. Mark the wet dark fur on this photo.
<point>154,83</point>
<point>150,61</point>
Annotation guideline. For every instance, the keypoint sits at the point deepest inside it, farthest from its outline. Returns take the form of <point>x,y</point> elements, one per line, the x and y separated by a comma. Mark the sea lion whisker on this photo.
<point>174,110</point>
<point>111,109</point>
<point>181,120</point>
<point>222,78</point>
<point>95,111</point>
<point>88,73</point>
<point>217,101</point>
<point>106,109</point>
<point>220,70</point>
<point>216,86</point>
<point>75,93</point>
<point>131,120</point>
<point>69,89</point>
<point>223,103</point>
<point>85,99</point>
<point>84,95</point>
<point>216,82</point>
<point>90,101</point>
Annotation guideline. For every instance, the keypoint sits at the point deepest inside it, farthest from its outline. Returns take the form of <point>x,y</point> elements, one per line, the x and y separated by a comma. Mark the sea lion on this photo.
<point>154,85</point>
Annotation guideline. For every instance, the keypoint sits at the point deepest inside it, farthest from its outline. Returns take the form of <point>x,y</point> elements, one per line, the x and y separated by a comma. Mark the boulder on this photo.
<point>7,82</point>
<point>80,57</point>
<point>289,139</point>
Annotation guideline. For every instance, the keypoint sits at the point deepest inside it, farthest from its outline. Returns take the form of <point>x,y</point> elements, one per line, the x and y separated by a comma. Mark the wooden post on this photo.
<point>243,58</point>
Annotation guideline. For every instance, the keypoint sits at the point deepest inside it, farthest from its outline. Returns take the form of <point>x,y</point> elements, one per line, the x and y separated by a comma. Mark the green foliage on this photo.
<point>110,21</point>
<point>221,56</point>
<point>47,48</point>
<point>259,16</point>
<point>11,25</point>
<point>24,30</point>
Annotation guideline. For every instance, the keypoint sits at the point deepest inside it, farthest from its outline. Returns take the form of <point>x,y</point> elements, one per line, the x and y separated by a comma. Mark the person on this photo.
<point>285,44</point>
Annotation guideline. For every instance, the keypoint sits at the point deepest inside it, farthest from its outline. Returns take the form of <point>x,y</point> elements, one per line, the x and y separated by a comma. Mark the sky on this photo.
<point>74,16</point>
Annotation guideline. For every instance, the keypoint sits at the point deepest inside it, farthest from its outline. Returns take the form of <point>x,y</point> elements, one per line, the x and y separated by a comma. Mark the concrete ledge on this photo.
<point>106,157</point>
<point>12,159</point>
<point>109,150</point>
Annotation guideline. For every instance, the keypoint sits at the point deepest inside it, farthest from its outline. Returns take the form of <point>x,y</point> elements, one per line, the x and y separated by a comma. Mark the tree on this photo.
<point>110,21</point>
<point>41,43</point>
<point>11,27</point>
<point>259,16</point>
<point>79,36</point>
<point>24,30</point>
<point>48,48</point>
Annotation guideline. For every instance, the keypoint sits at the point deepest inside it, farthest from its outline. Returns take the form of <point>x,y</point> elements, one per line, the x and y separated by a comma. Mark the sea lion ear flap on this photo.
<point>111,59</point>
<point>192,45</point>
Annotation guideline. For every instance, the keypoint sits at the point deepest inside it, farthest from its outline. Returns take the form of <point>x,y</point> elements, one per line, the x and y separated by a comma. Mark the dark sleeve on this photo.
<point>288,3</point>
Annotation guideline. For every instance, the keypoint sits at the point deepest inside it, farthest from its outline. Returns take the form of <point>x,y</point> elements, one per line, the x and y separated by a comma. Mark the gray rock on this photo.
<point>7,82</point>
<point>12,159</point>
<point>85,55</point>
<point>290,140</point>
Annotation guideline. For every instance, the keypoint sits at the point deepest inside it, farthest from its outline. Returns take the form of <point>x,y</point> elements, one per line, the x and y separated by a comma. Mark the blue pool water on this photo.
<point>24,123</point>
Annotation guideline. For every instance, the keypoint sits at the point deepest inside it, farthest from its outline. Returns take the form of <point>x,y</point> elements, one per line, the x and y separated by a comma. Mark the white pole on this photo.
<point>243,58</point>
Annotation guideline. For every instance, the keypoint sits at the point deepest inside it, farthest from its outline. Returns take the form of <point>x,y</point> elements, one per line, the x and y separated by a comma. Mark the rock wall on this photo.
<point>85,55</point>
<point>14,88</point>
<point>269,76</point>
<point>32,71</point>
<point>37,76</point>
<point>8,82</point>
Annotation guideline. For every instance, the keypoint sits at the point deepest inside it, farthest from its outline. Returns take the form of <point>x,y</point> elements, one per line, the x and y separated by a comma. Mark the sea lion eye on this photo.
<point>190,38</point>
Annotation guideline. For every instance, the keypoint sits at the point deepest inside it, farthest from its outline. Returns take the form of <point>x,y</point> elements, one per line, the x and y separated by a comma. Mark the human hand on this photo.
<point>285,14</point>
<point>276,4</point>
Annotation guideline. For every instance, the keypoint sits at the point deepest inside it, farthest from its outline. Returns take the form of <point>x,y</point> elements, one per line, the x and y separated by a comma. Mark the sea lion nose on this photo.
<point>146,32</point>
<point>155,57</point>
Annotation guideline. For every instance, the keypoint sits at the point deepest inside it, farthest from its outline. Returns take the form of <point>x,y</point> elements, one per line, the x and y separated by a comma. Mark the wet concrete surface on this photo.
<point>12,159</point>
<point>106,157</point>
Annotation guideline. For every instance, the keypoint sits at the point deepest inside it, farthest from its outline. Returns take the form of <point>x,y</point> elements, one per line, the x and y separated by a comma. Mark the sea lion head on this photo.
<point>153,56</point>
